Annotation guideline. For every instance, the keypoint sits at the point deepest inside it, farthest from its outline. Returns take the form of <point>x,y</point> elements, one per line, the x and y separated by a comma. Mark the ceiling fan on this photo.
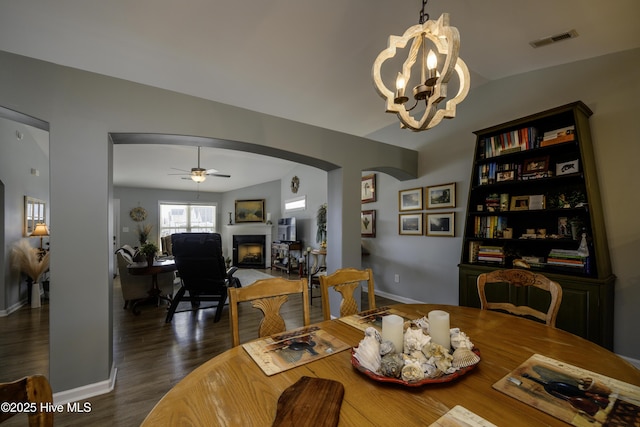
<point>199,174</point>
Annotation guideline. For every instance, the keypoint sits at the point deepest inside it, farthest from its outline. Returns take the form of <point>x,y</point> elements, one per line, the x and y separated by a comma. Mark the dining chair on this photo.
<point>32,391</point>
<point>268,295</point>
<point>345,281</point>
<point>521,278</point>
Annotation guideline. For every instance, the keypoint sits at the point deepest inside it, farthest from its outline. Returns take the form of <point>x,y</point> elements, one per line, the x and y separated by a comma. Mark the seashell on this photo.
<point>460,339</point>
<point>412,371</point>
<point>415,339</point>
<point>368,353</point>
<point>463,357</point>
<point>391,365</point>
<point>373,332</point>
<point>387,347</point>
<point>422,323</point>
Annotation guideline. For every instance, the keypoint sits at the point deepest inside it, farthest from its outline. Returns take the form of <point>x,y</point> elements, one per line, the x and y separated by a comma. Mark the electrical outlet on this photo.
<point>396,278</point>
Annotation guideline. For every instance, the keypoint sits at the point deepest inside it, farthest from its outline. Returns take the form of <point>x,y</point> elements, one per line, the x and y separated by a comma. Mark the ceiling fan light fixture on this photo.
<point>198,175</point>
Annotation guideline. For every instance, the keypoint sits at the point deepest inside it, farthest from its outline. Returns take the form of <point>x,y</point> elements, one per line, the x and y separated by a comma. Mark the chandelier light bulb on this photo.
<point>432,60</point>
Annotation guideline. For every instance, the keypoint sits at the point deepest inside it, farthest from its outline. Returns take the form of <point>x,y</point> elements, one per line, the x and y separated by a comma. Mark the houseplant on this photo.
<point>321,218</point>
<point>149,250</point>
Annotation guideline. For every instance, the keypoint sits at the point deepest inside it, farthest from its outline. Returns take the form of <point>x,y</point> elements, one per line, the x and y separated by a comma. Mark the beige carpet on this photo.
<point>248,275</point>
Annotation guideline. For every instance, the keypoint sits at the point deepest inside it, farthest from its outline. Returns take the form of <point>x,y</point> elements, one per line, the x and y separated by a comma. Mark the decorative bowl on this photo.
<point>381,378</point>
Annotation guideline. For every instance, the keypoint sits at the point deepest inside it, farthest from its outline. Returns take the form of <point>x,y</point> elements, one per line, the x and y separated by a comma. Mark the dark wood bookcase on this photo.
<point>533,195</point>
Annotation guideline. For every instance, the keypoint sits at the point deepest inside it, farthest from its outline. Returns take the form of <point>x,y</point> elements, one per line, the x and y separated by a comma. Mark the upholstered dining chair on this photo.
<point>34,389</point>
<point>345,281</point>
<point>521,278</point>
<point>202,271</point>
<point>268,295</point>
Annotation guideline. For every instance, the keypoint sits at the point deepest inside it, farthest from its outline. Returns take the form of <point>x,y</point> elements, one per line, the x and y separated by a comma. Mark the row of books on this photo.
<point>489,227</point>
<point>508,142</point>
<point>558,136</point>
<point>497,172</point>
<point>483,253</point>
<point>566,258</point>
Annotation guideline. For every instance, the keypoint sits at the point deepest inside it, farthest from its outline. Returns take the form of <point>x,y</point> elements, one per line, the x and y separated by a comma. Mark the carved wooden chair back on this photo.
<point>33,390</point>
<point>268,295</point>
<point>345,281</point>
<point>522,278</point>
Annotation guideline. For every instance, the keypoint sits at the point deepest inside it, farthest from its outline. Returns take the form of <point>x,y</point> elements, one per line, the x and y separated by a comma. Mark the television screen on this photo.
<point>287,229</point>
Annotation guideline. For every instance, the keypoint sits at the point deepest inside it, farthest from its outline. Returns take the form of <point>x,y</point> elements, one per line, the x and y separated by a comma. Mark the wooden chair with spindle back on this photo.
<point>345,281</point>
<point>521,278</point>
<point>268,295</point>
<point>32,390</point>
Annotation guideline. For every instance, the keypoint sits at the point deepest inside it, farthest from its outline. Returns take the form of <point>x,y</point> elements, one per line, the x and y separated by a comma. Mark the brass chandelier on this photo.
<point>434,52</point>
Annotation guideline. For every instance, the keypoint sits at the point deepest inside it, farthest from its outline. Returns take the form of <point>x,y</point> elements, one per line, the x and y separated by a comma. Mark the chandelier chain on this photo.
<point>423,16</point>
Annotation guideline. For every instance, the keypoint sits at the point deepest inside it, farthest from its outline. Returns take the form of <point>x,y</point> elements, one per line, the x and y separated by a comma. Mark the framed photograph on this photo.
<point>368,223</point>
<point>441,224</point>
<point>368,189</point>
<point>540,164</point>
<point>508,175</point>
<point>441,196</point>
<point>250,210</point>
<point>519,203</point>
<point>567,167</point>
<point>410,200</point>
<point>564,229</point>
<point>410,224</point>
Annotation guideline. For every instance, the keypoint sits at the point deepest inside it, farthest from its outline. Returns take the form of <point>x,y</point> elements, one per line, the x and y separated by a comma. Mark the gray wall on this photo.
<point>82,109</point>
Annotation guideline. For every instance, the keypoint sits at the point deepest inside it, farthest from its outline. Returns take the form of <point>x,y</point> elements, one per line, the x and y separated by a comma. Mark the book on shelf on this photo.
<point>552,134</point>
<point>558,140</point>
<point>508,142</point>
<point>474,250</point>
<point>493,254</point>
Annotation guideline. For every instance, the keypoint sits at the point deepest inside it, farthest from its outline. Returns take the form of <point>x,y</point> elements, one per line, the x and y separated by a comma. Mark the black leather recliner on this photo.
<point>202,271</point>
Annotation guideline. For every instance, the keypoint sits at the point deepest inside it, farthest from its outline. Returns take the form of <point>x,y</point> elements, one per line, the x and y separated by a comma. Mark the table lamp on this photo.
<point>41,231</point>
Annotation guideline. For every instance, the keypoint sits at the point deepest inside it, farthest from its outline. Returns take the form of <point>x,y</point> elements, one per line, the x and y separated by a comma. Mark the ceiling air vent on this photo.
<point>555,38</point>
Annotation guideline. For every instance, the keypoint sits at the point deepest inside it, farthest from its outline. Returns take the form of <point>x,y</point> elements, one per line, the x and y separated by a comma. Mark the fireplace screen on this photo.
<point>249,251</point>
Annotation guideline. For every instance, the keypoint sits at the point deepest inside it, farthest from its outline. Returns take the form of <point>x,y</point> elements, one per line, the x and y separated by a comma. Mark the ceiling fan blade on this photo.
<point>181,170</point>
<point>219,175</point>
<point>179,173</point>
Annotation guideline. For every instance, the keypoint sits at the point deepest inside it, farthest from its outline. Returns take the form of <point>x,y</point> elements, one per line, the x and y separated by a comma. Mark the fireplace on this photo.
<point>249,251</point>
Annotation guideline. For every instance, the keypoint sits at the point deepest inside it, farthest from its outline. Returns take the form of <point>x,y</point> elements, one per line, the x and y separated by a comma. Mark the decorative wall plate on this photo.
<point>138,214</point>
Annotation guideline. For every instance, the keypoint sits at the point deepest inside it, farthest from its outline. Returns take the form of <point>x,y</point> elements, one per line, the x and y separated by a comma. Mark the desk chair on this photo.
<point>268,295</point>
<point>203,273</point>
<point>345,281</point>
<point>33,389</point>
<point>521,278</point>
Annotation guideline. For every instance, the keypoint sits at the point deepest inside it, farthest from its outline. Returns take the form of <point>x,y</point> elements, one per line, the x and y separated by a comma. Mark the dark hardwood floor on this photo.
<point>150,355</point>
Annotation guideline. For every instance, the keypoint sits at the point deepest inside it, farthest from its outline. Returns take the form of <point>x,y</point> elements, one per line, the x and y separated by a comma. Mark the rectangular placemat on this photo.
<point>372,317</point>
<point>572,394</point>
<point>284,351</point>
<point>459,416</point>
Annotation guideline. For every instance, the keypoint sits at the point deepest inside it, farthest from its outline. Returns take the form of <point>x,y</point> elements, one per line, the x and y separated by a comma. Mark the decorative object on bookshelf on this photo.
<point>410,200</point>
<point>553,200</point>
<point>441,196</point>
<point>431,75</point>
<point>519,203</point>
<point>410,224</point>
<point>508,175</point>
<point>368,189</point>
<point>566,168</point>
<point>368,223</point>
<point>441,224</point>
<point>533,166</point>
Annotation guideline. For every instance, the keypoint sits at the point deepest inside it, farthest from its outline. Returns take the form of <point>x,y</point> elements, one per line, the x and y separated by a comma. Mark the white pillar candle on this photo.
<point>393,330</point>
<point>439,328</point>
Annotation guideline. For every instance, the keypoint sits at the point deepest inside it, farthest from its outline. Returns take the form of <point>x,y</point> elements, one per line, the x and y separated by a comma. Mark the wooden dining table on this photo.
<point>142,268</point>
<point>232,390</point>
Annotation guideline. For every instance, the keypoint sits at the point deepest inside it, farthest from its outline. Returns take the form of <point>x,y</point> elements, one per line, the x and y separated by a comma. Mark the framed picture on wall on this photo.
<point>368,223</point>
<point>441,224</point>
<point>441,196</point>
<point>410,224</point>
<point>250,210</point>
<point>410,200</point>
<point>368,189</point>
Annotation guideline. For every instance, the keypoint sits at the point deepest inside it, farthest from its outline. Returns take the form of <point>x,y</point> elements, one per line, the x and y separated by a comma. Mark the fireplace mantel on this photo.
<point>248,228</point>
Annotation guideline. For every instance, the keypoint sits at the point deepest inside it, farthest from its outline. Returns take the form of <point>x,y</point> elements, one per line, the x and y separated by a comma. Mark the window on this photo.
<point>187,218</point>
<point>295,204</point>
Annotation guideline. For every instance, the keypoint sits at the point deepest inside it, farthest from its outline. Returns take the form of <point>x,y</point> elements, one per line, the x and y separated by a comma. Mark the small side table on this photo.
<point>144,269</point>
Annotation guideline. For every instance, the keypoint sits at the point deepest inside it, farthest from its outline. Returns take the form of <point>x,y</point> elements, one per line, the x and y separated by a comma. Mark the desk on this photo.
<point>232,390</point>
<point>144,269</point>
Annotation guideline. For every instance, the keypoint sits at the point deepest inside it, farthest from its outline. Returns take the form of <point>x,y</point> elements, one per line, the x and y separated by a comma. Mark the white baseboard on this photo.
<point>86,391</point>
<point>396,297</point>
<point>14,307</point>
